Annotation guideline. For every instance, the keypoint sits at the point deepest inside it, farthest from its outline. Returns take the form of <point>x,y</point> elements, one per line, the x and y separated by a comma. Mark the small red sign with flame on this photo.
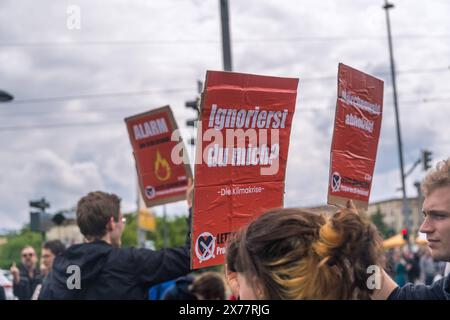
<point>160,179</point>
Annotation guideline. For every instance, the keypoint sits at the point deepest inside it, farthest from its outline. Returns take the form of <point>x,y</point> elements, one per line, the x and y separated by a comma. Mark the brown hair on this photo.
<point>299,254</point>
<point>94,211</point>
<point>55,246</point>
<point>210,286</point>
<point>437,178</point>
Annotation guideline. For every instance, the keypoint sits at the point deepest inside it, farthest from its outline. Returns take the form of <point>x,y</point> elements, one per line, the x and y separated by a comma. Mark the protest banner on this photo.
<point>161,180</point>
<point>356,133</point>
<point>241,155</point>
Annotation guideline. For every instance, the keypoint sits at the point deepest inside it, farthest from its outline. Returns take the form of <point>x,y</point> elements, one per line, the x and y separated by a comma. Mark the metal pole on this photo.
<point>419,203</point>
<point>406,211</point>
<point>44,233</point>
<point>140,234</point>
<point>165,233</point>
<point>226,45</point>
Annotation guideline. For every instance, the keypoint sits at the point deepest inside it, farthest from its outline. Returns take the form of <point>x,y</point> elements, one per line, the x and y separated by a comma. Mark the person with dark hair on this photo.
<point>99,268</point>
<point>436,225</point>
<point>230,268</point>
<point>209,286</point>
<point>50,250</point>
<point>294,254</point>
<point>180,290</point>
<point>27,276</point>
<point>206,286</point>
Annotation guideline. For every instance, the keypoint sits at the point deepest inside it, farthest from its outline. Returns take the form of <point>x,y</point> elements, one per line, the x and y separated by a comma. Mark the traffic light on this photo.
<point>193,104</point>
<point>35,221</point>
<point>405,234</point>
<point>191,122</point>
<point>39,220</point>
<point>426,159</point>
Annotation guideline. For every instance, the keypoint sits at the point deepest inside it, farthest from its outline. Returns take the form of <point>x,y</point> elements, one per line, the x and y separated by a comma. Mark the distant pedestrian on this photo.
<point>26,277</point>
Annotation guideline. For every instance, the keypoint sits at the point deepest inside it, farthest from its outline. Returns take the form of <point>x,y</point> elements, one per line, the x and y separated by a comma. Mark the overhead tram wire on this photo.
<point>116,121</point>
<point>100,95</point>
<point>176,90</point>
<point>25,44</point>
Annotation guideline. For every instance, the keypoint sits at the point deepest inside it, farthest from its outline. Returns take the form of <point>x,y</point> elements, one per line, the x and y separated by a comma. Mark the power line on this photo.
<point>116,121</point>
<point>59,125</point>
<point>123,108</point>
<point>176,90</point>
<point>410,71</point>
<point>100,95</point>
<point>212,41</point>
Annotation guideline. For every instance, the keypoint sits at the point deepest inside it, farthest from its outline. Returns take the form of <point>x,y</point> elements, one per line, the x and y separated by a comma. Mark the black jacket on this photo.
<point>26,286</point>
<point>440,290</point>
<point>2,293</point>
<point>107,272</point>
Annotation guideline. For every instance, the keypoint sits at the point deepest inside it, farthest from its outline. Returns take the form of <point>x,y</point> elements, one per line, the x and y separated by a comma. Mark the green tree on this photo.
<point>176,231</point>
<point>378,220</point>
<point>10,251</point>
<point>129,236</point>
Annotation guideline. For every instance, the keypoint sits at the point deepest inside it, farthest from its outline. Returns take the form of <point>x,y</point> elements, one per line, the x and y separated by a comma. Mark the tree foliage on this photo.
<point>10,251</point>
<point>378,220</point>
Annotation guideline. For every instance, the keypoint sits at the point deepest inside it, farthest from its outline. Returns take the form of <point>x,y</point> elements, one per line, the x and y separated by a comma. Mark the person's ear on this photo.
<point>111,224</point>
<point>259,289</point>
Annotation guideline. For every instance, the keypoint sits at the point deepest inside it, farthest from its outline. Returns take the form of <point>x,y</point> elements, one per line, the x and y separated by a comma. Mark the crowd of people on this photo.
<point>283,254</point>
<point>416,266</point>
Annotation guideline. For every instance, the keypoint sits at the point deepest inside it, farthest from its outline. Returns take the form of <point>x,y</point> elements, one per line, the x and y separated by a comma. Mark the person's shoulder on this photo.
<point>129,254</point>
<point>439,290</point>
<point>446,286</point>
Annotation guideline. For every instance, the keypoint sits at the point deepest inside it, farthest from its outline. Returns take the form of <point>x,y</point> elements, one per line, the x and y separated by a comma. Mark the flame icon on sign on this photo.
<point>162,168</point>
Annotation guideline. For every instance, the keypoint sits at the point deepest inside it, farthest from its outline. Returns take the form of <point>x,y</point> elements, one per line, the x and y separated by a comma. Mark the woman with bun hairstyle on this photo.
<point>300,254</point>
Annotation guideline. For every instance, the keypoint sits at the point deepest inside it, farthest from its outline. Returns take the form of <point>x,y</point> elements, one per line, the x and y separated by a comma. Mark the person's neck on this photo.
<point>106,238</point>
<point>30,270</point>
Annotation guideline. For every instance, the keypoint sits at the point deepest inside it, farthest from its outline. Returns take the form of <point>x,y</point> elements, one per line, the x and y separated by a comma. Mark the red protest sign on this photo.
<point>162,178</point>
<point>356,133</point>
<point>242,149</point>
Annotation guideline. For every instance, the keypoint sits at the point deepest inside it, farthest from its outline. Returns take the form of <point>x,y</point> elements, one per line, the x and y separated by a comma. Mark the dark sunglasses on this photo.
<point>27,255</point>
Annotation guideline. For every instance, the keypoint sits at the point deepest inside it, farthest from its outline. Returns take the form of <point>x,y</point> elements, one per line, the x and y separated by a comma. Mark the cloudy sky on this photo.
<point>64,134</point>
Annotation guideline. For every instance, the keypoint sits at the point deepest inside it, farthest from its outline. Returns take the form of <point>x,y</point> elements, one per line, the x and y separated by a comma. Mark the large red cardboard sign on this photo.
<point>357,126</point>
<point>242,149</point>
<point>160,179</point>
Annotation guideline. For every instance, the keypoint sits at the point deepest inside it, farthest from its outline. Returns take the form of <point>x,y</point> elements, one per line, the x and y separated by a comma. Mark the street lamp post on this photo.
<point>405,209</point>
<point>226,43</point>
<point>5,96</point>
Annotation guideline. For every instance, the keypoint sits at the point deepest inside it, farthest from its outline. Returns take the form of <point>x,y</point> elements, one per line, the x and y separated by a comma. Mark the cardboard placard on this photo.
<point>160,179</point>
<point>242,149</point>
<point>356,133</point>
